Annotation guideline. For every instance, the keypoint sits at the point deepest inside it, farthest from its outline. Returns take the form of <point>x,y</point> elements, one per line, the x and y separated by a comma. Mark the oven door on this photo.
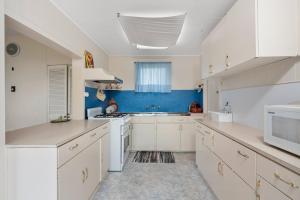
<point>282,129</point>
<point>125,147</point>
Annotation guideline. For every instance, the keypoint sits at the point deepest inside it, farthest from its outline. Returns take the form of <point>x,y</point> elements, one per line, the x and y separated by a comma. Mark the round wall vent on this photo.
<point>13,49</point>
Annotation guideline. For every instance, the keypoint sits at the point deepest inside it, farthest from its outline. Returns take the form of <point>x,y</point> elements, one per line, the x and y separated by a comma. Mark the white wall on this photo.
<point>186,70</point>
<point>2,102</point>
<point>29,104</point>
<point>44,18</point>
<point>248,92</point>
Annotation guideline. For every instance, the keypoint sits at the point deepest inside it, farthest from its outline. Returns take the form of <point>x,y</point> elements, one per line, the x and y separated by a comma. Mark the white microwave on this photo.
<point>282,127</point>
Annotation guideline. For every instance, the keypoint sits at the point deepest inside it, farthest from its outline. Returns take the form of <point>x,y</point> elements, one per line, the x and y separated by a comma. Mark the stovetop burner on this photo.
<point>111,115</point>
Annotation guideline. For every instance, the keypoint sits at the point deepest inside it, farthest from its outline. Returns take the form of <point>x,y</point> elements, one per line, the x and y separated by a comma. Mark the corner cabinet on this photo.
<point>252,33</point>
<point>235,172</point>
<point>70,171</point>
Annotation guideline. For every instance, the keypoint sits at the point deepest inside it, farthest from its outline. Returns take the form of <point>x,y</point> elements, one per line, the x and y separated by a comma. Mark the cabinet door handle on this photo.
<point>210,69</point>
<point>226,61</point>
<point>83,176</point>
<point>291,184</point>
<point>220,168</point>
<point>242,154</point>
<point>73,147</point>
<point>86,173</point>
<point>257,189</point>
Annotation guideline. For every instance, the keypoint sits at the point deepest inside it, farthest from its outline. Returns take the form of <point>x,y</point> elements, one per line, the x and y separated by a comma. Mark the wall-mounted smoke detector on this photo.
<point>152,32</point>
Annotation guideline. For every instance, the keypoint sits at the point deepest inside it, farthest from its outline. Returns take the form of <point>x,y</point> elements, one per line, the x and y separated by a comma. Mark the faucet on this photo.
<point>152,107</point>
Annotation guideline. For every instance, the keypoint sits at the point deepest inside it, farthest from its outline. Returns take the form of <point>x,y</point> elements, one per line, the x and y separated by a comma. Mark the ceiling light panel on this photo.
<point>152,31</point>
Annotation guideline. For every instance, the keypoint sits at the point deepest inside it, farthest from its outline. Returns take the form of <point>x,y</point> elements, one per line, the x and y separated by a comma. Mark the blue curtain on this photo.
<point>153,77</point>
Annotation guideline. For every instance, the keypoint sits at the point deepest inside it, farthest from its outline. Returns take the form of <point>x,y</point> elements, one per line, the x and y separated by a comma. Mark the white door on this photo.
<point>218,47</point>
<point>105,147</point>
<point>277,27</point>
<point>187,137</point>
<point>241,32</point>
<point>268,192</point>
<point>143,137</point>
<point>205,58</point>
<point>58,87</point>
<point>168,137</point>
<point>233,186</point>
<point>78,178</point>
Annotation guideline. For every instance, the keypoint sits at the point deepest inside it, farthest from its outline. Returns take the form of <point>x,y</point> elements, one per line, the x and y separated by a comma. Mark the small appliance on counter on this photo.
<point>282,127</point>
<point>195,108</point>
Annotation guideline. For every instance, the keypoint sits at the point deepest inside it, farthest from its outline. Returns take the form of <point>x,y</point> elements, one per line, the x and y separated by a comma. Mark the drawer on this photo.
<point>283,179</point>
<point>199,127</point>
<point>103,130</point>
<point>143,120</point>
<point>241,159</point>
<point>174,119</point>
<point>206,132</point>
<point>72,148</point>
<point>266,191</point>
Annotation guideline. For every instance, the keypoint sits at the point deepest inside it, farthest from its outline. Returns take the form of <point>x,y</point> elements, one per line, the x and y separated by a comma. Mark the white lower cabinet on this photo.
<point>266,191</point>
<point>168,137</point>
<point>71,171</point>
<point>78,178</point>
<point>104,156</point>
<point>166,133</point>
<point>187,137</point>
<point>143,137</point>
<point>226,183</point>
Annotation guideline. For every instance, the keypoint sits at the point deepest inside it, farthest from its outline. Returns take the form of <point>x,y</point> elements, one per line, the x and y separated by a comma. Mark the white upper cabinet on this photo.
<point>252,33</point>
<point>240,33</point>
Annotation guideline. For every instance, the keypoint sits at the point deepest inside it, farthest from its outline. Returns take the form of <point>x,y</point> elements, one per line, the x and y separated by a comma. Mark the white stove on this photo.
<point>120,136</point>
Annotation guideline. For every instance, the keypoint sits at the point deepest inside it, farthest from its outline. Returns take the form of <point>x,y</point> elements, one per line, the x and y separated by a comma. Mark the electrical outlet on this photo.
<point>13,88</point>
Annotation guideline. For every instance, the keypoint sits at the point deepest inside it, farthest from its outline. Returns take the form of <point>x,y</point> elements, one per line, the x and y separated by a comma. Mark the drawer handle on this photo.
<point>242,154</point>
<point>105,127</point>
<point>207,132</point>
<point>73,147</point>
<point>94,134</point>
<point>291,184</point>
<point>83,176</point>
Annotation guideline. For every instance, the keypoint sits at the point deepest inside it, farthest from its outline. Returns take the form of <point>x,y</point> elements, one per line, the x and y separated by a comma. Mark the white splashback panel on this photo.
<point>248,103</point>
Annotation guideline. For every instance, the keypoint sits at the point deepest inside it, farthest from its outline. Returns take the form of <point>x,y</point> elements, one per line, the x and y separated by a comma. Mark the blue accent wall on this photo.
<point>130,101</point>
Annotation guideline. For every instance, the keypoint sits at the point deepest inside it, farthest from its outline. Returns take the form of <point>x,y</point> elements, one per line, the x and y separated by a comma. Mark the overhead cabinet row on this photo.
<point>253,33</point>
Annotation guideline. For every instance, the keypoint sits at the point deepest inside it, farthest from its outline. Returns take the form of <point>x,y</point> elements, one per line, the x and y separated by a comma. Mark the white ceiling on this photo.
<point>98,19</point>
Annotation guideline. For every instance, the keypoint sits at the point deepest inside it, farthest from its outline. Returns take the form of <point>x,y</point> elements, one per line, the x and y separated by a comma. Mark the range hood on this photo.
<point>99,75</point>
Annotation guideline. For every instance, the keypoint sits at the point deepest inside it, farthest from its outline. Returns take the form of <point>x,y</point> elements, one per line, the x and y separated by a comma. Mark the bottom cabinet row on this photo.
<point>78,178</point>
<point>222,180</point>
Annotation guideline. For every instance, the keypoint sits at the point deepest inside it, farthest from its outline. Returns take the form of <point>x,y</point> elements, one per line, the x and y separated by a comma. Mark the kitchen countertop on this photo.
<point>49,134</point>
<point>253,139</point>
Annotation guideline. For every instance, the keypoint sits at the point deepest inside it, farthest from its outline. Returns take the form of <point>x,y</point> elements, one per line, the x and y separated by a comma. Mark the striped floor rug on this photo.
<point>153,157</point>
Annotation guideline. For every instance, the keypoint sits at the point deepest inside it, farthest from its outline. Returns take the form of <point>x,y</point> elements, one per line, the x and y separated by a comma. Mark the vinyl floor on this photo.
<point>156,181</point>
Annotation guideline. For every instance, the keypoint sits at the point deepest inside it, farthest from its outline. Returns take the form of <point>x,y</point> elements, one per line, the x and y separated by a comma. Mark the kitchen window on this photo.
<point>153,77</point>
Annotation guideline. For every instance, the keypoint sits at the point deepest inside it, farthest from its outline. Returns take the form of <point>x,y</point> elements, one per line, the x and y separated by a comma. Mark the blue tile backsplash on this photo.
<point>130,101</point>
